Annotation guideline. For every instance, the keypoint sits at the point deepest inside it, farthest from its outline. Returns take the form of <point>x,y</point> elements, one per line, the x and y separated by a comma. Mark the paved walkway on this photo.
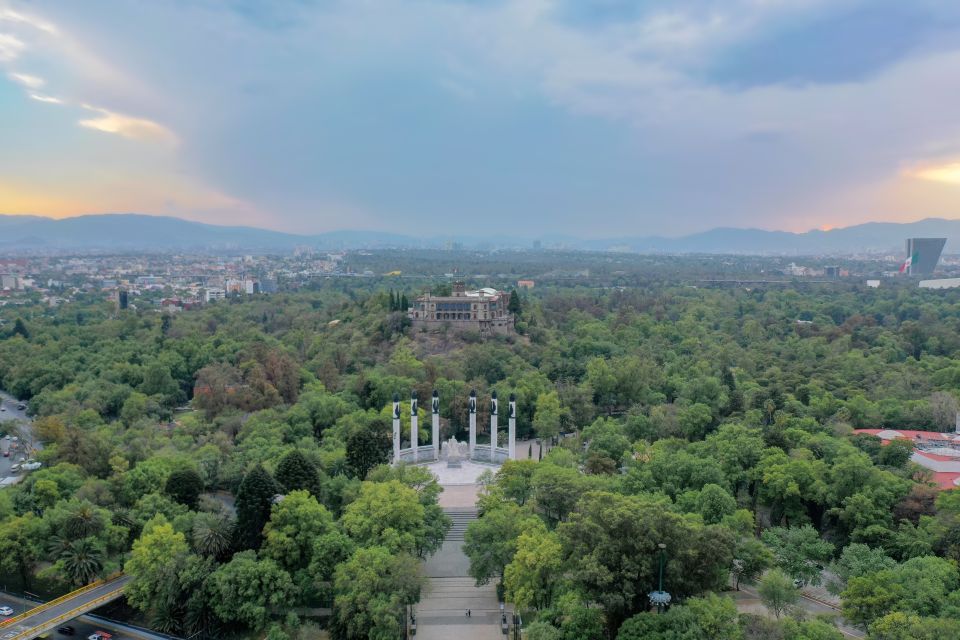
<point>449,590</point>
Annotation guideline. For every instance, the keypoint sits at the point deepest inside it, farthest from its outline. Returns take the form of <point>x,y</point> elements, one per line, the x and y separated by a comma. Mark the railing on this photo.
<point>52,603</point>
<point>64,617</point>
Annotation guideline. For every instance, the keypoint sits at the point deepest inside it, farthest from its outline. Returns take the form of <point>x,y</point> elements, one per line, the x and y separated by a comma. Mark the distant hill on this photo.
<point>124,232</point>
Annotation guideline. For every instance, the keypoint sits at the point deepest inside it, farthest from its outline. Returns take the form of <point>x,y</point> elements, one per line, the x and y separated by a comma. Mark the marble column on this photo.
<point>414,427</point>
<point>493,426</point>
<point>512,427</point>
<point>396,428</point>
<point>435,419</point>
<point>473,422</point>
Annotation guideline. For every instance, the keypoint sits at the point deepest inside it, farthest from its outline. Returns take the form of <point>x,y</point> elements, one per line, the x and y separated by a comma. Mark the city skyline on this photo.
<point>590,118</point>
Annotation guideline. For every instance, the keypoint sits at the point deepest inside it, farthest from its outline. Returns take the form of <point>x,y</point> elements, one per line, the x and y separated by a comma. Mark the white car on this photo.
<point>32,465</point>
<point>6,611</point>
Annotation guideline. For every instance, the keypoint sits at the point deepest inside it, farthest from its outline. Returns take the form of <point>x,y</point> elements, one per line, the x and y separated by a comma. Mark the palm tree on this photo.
<point>212,535</point>
<point>82,560</point>
<point>83,521</point>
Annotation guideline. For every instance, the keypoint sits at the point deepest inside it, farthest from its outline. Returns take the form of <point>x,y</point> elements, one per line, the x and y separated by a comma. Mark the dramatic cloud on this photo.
<point>525,117</point>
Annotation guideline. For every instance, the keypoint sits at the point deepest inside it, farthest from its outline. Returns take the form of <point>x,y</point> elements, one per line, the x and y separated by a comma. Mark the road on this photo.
<point>814,607</point>
<point>9,412</point>
<point>84,625</point>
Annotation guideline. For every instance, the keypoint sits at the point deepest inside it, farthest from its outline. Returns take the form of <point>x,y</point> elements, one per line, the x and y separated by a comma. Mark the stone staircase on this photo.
<point>461,517</point>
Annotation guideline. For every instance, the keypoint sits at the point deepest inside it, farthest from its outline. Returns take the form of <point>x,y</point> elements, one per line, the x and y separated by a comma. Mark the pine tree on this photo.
<point>20,328</point>
<point>393,303</point>
<point>296,472</point>
<point>254,501</point>
<point>404,303</point>
<point>514,305</point>
<point>185,486</point>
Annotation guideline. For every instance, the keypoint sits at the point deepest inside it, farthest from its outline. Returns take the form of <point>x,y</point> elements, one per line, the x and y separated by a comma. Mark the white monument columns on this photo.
<point>493,427</point>
<point>396,429</point>
<point>435,423</point>
<point>412,455</point>
<point>414,428</point>
<point>473,421</point>
<point>512,428</point>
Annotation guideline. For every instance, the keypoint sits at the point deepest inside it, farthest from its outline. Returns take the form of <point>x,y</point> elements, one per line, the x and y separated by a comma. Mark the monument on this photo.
<point>492,454</point>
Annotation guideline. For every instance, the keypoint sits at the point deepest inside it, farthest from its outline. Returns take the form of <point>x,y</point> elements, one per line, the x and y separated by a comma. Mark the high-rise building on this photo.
<point>923,254</point>
<point>123,299</point>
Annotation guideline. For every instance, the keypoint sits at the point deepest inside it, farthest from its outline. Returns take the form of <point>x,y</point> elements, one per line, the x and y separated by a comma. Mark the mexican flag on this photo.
<point>908,262</point>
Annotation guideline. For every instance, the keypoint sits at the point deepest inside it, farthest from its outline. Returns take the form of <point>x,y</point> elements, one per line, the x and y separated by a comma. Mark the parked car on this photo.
<point>6,611</point>
<point>32,465</point>
<point>66,630</point>
<point>99,635</point>
<point>22,407</point>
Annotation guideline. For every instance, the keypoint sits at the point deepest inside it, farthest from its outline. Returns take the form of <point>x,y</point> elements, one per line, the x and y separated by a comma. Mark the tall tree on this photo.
<point>254,502</point>
<point>185,487</point>
<point>295,472</point>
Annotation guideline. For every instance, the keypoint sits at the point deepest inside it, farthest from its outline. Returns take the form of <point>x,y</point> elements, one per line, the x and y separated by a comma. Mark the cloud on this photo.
<point>10,47</point>
<point>948,173</point>
<point>47,99</point>
<point>9,15</point>
<point>127,126</point>
<point>28,81</point>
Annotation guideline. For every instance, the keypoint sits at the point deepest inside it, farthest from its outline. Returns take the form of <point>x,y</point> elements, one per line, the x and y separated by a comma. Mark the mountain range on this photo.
<point>124,232</point>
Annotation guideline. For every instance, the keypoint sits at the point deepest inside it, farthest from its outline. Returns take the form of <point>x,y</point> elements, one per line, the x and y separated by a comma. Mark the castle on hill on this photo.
<point>484,310</point>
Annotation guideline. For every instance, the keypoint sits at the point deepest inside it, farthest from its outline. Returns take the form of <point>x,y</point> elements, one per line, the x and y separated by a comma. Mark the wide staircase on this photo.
<point>450,591</point>
<point>461,517</point>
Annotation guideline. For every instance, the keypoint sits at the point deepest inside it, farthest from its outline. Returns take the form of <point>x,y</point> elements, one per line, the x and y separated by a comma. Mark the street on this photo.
<point>12,414</point>
<point>83,625</point>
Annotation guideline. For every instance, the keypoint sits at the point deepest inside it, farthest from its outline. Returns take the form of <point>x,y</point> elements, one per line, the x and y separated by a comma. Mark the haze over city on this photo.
<point>587,118</point>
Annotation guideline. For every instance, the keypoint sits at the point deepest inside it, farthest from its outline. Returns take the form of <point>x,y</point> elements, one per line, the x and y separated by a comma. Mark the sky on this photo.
<point>594,118</point>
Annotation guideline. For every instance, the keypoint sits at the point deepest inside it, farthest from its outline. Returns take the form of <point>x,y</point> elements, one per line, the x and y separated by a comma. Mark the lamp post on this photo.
<point>660,597</point>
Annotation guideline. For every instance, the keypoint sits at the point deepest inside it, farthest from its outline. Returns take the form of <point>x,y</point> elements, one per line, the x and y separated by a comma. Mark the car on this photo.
<point>66,630</point>
<point>21,407</point>
<point>6,611</point>
<point>6,454</point>
<point>3,408</point>
<point>32,465</point>
<point>99,635</point>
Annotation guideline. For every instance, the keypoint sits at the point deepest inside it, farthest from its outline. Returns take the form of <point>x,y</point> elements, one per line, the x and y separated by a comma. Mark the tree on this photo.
<point>751,559</point>
<point>82,560</point>
<point>515,306</point>
<point>295,472</point>
<point>678,623</point>
<point>367,447</point>
<point>387,514</point>
<point>295,523</point>
<point>870,597</point>
<point>858,560</point>
<point>185,487</point>
<point>19,546</point>
<point>248,590</point>
<point>531,577</point>
<point>254,501</point>
<point>491,541</point>
<point>777,592</point>
<point>714,502</point>
<point>157,557</point>
<point>371,591</point>
<point>549,415</point>
<point>716,617</point>
<point>610,544</point>
<point>799,551</point>
<point>901,625</point>
<point>212,535</point>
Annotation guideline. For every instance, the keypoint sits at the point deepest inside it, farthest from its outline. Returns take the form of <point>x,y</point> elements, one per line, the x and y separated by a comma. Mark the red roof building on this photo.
<point>938,452</point>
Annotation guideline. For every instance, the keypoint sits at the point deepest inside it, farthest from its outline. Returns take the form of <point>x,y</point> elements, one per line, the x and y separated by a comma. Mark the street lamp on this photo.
<point>660,597</point>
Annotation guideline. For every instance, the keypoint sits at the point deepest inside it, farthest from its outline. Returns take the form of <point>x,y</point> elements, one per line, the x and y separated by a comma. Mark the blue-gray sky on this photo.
<point>586,117</point>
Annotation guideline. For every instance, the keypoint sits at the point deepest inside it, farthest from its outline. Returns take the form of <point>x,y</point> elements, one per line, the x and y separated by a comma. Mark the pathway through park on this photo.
<point>449,590</point>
